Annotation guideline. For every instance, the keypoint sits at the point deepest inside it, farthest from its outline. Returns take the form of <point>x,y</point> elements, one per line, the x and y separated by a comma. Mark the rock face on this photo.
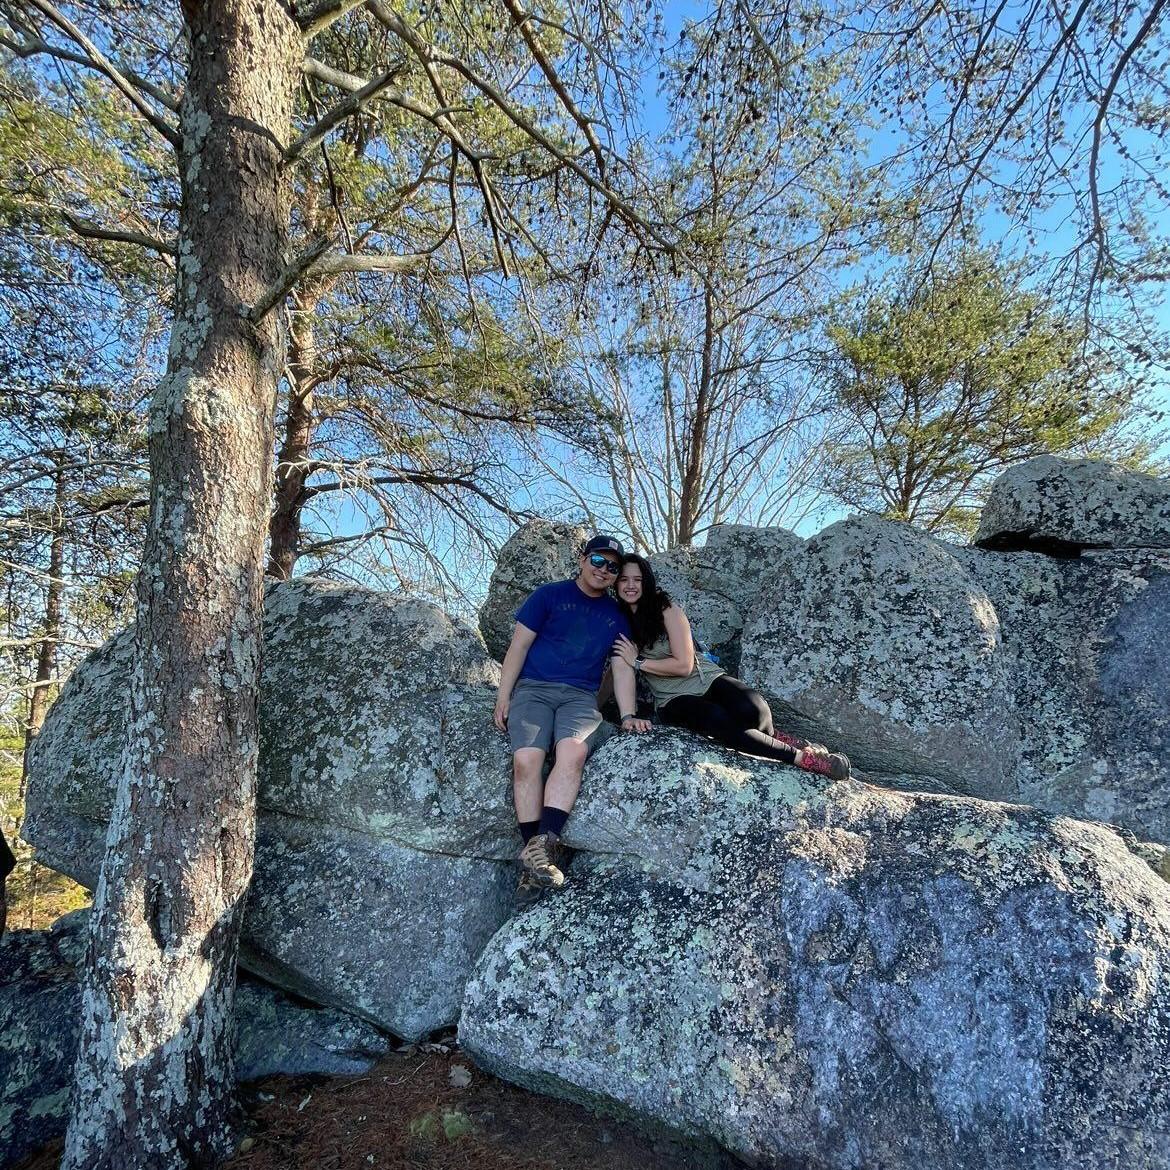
<point>1084,648</point>
<point>384,798</point>
<point>40,1006</point>
<point>840,976</point>
<point>877,638</point>
<point>1014,676</point>
<point>536,553</point>
<point>745,553</point>
<point>1065,505</point>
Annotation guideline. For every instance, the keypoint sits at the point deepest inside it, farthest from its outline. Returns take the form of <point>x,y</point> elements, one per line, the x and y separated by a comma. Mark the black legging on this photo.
<point>736,715</point>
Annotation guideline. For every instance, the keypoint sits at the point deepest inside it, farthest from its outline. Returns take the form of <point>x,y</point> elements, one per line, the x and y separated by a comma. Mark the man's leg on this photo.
<point>528,789</point>
<point>564,782</point>
<point>542,856</point>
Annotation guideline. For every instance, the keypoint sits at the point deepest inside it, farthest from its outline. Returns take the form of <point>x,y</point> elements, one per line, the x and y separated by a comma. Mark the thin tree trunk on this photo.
<point>38,703</point>
<point>155,1079</point>
<point>688,504</point>
<point>292,462</point>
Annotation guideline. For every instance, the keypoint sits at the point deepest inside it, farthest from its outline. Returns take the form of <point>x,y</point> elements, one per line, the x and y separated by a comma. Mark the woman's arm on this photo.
<point>625,687</point>
<point>681,660</point>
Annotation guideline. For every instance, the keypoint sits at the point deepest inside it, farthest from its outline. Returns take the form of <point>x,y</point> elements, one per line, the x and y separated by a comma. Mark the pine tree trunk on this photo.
<point>155,1079</point>
<point>292,462</point>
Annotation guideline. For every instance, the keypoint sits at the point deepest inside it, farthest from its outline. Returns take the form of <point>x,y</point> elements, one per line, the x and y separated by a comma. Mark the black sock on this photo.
<point>528,830</point>
<point>552,820</point>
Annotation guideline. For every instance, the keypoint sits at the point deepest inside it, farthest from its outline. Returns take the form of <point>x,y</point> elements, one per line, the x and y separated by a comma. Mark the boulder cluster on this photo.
<point>958,959</point>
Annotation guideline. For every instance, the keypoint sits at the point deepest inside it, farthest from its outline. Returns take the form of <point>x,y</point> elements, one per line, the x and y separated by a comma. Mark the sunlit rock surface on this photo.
<point>840,976</point>
<point>1064,505</point>
<point>1085,645</point>
<point>876,639</point>
<point>40,1003</point>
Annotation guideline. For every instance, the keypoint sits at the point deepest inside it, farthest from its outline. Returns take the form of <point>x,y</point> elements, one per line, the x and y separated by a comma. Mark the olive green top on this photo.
<point>666,687</point>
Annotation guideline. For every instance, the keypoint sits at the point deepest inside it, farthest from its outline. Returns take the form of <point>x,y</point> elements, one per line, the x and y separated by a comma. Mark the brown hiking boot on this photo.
<point>825,763</point>
<point>539,858</point>
<point>528,891</point>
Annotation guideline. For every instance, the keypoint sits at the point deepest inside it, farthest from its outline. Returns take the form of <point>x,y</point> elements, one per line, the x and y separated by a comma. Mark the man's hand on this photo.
<point>624,649</point>
<point>633,723</point>
<point>500,714</point>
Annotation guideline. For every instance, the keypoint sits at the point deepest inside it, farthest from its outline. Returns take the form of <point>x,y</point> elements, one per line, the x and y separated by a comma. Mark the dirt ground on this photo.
<point>430,1108</point>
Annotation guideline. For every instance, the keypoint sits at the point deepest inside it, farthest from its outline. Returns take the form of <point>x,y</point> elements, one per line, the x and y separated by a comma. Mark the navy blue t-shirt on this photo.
<point>574,634</point>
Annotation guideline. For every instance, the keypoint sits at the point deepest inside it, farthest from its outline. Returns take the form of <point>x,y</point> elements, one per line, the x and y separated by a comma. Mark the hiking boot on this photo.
<point>825,763</point>
<point>539,858</point>
<point>528,891</point>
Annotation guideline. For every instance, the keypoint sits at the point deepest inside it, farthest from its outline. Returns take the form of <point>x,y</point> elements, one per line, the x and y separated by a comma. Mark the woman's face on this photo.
<point>629,584</point>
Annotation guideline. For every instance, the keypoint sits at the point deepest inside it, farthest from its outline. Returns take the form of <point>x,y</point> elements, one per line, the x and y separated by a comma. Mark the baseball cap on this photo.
<point>601,543</point>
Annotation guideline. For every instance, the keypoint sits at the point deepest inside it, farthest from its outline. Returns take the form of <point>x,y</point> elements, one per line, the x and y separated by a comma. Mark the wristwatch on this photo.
<point>639,663</point>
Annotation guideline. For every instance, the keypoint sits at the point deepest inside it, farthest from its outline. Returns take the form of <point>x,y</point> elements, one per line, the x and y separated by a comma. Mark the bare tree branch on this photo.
<point>98,60</point>
<point>351,105</point>
<point>93,231</point>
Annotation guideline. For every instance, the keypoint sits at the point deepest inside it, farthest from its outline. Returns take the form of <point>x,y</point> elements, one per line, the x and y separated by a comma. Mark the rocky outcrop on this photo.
<point>1015,676</point>
<point>1084,649</point>
<point>1062,506</point>
<point>878,640</point>
<point>40,1005</point>
<point>384,798</point>
<point>539,551</point>
<point>840,976</point>
<point>747,554</point>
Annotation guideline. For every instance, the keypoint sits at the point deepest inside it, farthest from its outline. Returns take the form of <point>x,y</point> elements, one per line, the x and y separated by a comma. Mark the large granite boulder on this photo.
<point>539,551</point>
<point>876,638</point>
<point>40,1007</point>
<point>840,976</point>
<point>384,806</point>
<point>1084,647</point>
<point>745,553</point>
<point>1065,505</point>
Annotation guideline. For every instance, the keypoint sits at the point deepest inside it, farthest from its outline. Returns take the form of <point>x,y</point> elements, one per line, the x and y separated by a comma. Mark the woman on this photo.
<point>693,692</point>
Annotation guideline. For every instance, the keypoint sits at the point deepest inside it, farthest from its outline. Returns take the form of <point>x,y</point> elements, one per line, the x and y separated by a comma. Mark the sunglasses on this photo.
<point>600,562</point>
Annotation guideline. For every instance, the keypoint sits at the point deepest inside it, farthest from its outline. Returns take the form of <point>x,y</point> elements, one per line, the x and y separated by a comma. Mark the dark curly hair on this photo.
<point>647,624</point>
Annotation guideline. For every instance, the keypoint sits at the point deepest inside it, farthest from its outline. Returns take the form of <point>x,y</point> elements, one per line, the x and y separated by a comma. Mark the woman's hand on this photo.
<point>633,723</point>
<point>624,649</point>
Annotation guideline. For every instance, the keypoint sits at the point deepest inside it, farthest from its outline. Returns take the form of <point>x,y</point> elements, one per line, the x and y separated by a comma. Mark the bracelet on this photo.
<point>631,715</point>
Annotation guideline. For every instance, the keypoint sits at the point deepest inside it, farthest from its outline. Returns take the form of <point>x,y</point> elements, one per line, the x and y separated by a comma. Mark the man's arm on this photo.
<point>522,639</point>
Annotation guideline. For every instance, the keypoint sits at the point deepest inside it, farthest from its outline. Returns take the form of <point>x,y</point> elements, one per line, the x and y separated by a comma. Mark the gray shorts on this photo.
<point>542,714</point>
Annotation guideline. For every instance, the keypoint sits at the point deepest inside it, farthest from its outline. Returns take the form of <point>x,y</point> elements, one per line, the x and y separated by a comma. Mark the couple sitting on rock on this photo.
<point>566,633</point>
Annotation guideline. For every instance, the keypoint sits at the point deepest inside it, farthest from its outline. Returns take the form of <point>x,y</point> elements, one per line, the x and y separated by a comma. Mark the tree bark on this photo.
<point>292,462</point>
<point>696,458</point>
<point>155,1079</point>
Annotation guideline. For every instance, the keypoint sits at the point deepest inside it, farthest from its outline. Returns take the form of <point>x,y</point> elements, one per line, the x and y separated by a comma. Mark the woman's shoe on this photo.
<point>835,765</point>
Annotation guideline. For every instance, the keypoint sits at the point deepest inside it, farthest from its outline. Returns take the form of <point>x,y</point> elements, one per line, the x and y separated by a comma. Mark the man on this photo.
<point>548,698</point>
